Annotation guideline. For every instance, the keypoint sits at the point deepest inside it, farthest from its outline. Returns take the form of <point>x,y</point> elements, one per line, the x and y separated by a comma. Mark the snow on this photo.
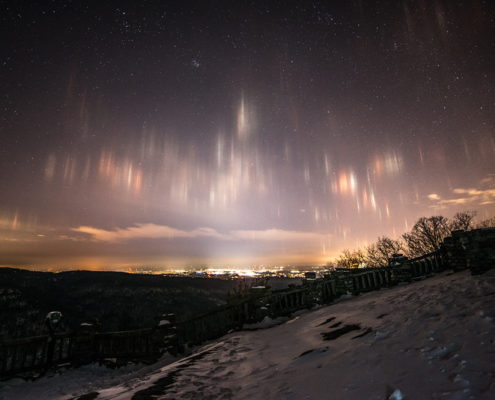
<point>433,339</point>
<point>396,395</point>
<point>267,322</point>
<point>68,383</point>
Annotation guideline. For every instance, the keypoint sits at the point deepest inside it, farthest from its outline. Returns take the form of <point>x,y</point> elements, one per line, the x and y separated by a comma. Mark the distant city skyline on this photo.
<point>177,135</point>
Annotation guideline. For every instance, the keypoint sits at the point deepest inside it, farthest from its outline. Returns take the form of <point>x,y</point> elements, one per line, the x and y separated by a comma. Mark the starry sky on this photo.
<point>172,133</point>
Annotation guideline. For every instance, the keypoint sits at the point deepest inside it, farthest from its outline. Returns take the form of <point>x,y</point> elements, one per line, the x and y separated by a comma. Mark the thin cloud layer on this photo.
<point>144,231</point>
<point>154,231</point>
<point>279,235</point>
<point>485,195</point>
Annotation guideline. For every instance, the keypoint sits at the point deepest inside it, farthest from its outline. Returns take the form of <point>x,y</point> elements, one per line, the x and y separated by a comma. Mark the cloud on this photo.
<point>153,231</point>
<point>278,235</point>
<point>483,196</point>
<point>473,196</point>
<point>144,231</point>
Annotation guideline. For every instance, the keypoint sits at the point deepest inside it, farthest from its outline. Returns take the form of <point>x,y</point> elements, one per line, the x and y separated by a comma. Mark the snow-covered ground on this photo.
<point>433,339</point>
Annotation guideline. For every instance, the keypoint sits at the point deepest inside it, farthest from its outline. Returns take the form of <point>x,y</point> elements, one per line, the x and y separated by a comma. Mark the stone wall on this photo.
<point>474,250</point>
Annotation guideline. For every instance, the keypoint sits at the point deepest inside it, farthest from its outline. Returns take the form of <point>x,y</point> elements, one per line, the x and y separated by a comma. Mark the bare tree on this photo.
<point>350,259</point>
<point>426,235</point>
<point>373,257</point>
<point>463,220</point>
<point>378,253</point>
<point>486,223</point>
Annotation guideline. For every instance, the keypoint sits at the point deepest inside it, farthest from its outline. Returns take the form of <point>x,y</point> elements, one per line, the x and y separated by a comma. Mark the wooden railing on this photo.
<point>42,352</point>
<point>33,353</point>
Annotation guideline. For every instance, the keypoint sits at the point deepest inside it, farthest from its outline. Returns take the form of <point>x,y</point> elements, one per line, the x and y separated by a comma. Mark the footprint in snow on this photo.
<point>335,334</point>
<point>326,321</point>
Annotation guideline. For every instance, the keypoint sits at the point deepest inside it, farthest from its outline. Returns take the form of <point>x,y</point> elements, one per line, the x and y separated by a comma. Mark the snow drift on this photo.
<point>433,339</point>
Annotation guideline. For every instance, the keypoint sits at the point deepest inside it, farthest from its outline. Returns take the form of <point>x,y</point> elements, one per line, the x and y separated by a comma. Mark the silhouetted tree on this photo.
<point>378,253</point>
<point>240,291</point>
<point>426,235</point>
<point>350,259</point>
<point>486,223</point>
<point>463,220</point>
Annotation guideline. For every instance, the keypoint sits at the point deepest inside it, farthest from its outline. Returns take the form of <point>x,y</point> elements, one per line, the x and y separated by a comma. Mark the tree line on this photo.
<point>426,236</point>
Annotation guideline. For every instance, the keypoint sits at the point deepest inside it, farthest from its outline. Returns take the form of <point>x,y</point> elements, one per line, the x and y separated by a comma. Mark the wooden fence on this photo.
<point>42,352</point>
<point>33,353</point>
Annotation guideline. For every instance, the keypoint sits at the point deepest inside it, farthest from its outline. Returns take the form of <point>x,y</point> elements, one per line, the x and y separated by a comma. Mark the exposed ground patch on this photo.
<point>305,353</point>
<point>368,330</point>
<point>87,396</point>
<point>335,334</point>
<point>326,321</point>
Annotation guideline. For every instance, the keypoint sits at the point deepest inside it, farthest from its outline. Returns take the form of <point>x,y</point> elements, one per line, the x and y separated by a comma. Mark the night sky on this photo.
<point>173,134</point>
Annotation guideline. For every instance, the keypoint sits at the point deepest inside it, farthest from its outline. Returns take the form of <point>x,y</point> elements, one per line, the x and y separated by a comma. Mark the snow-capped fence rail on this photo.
<point>285,302</point>
<point>125,344</point>
<point>474,249</point>
<point>371,279</point>
<point>42,352</point>
<point>33,353</point>
<point>213,324</point>
<point>426,264</point>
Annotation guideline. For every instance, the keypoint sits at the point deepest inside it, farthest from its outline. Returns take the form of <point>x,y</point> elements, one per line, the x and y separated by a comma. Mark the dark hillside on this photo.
<point>113,300</point>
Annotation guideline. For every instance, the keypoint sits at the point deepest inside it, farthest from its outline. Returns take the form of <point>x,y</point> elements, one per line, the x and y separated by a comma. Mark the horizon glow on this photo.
<point>171,136</point>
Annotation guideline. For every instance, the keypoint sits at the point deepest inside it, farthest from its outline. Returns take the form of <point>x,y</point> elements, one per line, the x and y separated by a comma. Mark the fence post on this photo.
<point>401,268</point>
<point>84,346</point>
<point>52,320</point>
<point>164,335</point>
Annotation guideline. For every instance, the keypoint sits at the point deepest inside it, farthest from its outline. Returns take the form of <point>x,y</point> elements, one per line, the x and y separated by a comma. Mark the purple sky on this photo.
<point>169,134</point>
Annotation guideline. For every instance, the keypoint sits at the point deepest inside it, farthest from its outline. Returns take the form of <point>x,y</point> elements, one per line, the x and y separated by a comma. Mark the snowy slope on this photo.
<point>433,339</point>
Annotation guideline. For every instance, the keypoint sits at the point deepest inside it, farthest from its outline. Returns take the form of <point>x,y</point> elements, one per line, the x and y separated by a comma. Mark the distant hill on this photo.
<point>112,300</point>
